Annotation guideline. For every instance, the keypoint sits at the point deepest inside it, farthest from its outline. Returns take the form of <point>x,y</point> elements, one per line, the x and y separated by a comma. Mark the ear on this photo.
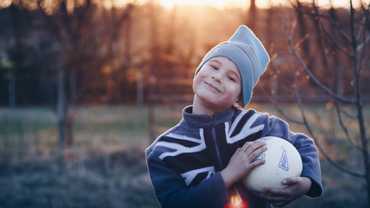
<point>239,100</point>
<point>238,105</point>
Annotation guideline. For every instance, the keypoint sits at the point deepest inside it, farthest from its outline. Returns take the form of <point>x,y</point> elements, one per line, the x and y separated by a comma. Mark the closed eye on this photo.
<point>213,67</point>
<point>232,78</point>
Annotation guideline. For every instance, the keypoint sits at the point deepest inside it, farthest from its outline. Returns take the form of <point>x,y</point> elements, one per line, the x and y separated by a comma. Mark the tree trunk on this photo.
<point>360,116</point>
<point>123,82</point>
<point>73,86</point>
<point>339,72</point>
<point>151,122</point>
<point>139,88</point>
<point>61,116</point>
<point>155,51</point>
<point>252,16</point>
<point>11,91</point>
<point>302,34</point>
<point>269,37</point>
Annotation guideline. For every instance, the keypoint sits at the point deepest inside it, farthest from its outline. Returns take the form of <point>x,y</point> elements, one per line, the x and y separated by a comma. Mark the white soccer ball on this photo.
<point>282,160</point>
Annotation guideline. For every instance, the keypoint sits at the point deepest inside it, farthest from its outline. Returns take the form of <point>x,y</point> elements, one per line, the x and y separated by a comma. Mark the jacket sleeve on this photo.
<point>171,190</point>
<point>305,146</point>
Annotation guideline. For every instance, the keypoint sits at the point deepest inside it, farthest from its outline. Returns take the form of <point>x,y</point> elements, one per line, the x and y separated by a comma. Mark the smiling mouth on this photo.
<point>213,87</point>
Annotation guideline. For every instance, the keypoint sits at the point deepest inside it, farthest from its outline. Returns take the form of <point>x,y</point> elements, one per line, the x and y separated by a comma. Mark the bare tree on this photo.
<point>119,39</point>
<point>81,45</point>
<point>350,41</point>
<point>154,65</point>
<point>11,71</point>
<point>60,26</point>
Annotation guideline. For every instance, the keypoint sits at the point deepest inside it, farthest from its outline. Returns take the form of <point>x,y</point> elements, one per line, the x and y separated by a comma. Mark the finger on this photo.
<point>276,197</point>
<point>280,192</point>
<point>257,152</point>
<point>270,195</point>
<point>248,146</point>
<point>237,151</point>
<point>290,181</point>
<point>253,148</point>
<point>256,163</point>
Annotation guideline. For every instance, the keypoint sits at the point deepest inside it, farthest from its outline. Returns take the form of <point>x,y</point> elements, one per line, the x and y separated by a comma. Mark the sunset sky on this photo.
<point>244,3</point>
<point>214,3</point>
<point>260,3</point>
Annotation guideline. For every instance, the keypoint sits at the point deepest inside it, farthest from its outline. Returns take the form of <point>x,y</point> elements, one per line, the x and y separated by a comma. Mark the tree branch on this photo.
<point>331,38</point>
<point>308,71</point>
<point>360,116</point>
<point>321,149</point>
<point>335,24</point>
<point>362,47</point>
<point>344,128</point>
<point>279,109</point>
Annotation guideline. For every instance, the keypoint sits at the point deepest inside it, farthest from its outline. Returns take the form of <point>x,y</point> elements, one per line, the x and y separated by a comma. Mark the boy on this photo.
<point>202,161</point>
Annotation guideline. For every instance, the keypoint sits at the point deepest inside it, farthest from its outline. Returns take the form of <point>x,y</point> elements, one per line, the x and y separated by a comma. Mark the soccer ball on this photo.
<point>282,160</point>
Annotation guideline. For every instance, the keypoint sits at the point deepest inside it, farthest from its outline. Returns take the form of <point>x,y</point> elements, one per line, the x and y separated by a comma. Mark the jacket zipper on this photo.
<point>218,156</point>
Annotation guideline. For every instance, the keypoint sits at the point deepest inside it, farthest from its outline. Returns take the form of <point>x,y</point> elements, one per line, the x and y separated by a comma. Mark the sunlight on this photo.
<point>114,3</point>
<point>5,3</point>
<point>213,3</point>
<point>340,3</point>
<point>168,4</point>
<point>236,202</point>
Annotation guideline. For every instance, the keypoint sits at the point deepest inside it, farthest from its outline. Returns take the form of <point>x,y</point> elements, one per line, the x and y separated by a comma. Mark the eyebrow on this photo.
<point>217,62</point>
<point>235,74</point>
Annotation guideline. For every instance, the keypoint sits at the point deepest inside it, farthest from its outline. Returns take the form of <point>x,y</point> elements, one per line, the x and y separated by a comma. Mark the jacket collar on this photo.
<point>202,121</point>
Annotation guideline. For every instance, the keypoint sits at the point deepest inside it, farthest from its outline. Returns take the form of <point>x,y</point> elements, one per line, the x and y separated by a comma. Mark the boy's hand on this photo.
<point>294,187</point>
<point>243,161</point>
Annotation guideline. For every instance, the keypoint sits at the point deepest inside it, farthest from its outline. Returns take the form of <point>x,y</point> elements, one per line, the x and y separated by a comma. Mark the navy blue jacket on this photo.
<point>184,163</point>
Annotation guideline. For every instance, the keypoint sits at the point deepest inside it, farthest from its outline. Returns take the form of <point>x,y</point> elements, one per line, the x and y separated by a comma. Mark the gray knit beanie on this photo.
<point>246,51</point>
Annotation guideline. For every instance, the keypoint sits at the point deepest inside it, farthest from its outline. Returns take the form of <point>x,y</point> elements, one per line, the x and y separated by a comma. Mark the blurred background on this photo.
<point>86,85</point>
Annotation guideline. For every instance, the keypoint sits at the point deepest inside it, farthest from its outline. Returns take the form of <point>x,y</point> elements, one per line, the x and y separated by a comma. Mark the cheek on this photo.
<point>195,83</point>
<point>229,97</point>
<point>234,94</point>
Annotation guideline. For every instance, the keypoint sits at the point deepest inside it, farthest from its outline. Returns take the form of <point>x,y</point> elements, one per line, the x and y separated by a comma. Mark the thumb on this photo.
<point>290,181</point>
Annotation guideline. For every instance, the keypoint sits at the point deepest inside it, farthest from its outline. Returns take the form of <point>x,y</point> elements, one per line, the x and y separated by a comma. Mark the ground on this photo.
<point>105,164</point>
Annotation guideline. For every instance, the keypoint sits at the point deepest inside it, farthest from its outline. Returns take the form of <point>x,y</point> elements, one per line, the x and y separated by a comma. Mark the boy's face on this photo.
<point>218,83</point>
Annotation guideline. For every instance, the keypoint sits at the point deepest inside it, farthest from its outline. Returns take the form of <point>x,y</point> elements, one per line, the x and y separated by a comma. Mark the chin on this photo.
<point>215,103</point>
<point>213,100</point>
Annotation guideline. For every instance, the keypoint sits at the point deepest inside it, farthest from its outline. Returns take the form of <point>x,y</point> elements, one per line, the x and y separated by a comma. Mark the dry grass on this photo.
<point>106,166</point>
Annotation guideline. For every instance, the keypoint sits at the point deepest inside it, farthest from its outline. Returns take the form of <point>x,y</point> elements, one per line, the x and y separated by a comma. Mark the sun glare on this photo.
<point>213,3</point>
<point>5,3</point>
<point>168,4</point>
<point>236,202</point>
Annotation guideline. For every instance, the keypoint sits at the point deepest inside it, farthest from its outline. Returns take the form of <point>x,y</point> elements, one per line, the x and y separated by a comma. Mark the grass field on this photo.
<point>106,165</point>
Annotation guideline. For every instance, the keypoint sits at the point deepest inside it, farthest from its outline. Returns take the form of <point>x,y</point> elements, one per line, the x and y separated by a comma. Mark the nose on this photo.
<point>217,76</point>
